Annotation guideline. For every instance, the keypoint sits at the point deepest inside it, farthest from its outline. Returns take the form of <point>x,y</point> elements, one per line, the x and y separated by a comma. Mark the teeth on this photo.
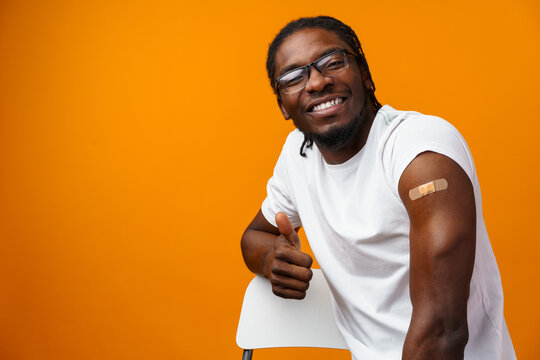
<point>327,104</point>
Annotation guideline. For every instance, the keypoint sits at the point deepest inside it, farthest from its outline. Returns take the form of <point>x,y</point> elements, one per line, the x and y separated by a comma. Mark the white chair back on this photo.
<point>268,321</point>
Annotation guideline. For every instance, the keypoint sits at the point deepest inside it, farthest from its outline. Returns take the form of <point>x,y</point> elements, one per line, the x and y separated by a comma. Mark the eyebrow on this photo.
<point>296,65</point>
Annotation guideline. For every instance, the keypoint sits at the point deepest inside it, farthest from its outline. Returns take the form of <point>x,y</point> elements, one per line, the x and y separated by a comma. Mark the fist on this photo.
<point>289,268</point>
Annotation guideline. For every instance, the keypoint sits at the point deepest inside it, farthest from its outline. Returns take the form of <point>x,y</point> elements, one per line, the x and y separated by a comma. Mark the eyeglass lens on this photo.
<point>296,79</point>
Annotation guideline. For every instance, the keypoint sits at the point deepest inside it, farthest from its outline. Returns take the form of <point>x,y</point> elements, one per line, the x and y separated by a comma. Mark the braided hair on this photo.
<point>344,32</point>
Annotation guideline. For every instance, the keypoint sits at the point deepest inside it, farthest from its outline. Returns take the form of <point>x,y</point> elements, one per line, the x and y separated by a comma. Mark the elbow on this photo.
<point>244,245</point>
<point>253,252</point>
<point>453,341</point>
<point>449,336</point>
<point>437,338</point>
<point>248,243</point>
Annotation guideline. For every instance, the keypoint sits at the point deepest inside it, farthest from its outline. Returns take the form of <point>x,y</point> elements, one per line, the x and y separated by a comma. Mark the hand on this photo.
<point>288,268</point>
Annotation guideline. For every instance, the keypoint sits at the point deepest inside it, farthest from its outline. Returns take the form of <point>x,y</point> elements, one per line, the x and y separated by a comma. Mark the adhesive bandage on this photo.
<point>428,188</point>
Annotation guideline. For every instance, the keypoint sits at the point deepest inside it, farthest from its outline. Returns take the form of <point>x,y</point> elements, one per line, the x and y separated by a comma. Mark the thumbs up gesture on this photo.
<point>289,268</point>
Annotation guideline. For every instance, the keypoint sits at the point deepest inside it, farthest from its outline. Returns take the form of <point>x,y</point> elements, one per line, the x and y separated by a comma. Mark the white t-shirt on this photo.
<point>358,229</point>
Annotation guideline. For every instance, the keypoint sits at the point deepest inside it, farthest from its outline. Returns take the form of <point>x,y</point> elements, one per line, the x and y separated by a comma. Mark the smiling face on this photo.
<point>331,110</point>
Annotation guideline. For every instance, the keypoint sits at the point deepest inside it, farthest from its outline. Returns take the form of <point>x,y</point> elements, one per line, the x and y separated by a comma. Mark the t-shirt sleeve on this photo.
<point>279,197</point>
<point>418,134</point>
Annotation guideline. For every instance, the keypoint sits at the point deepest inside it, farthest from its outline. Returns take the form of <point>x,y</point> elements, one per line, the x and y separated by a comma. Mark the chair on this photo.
<point>268,321</point>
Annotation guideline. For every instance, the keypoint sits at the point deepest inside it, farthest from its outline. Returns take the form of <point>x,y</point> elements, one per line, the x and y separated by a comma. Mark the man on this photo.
<point>390,204</point>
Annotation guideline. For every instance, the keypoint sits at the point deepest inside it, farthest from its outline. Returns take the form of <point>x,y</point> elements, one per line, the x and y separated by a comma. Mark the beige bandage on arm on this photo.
<point>428,188</point>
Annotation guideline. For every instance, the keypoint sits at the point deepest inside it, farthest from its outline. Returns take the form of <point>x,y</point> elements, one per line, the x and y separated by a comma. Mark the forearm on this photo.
<point>439,288</point>
<point>257,246</point>
<point>435,335</point>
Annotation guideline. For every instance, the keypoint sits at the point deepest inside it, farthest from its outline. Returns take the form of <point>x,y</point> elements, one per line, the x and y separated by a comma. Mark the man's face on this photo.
<point>302,48</point>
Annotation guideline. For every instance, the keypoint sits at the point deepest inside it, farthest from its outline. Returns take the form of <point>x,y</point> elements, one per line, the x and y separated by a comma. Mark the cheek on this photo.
<point>360,92</point>
<point>359,82</point>
<point>293,105</point>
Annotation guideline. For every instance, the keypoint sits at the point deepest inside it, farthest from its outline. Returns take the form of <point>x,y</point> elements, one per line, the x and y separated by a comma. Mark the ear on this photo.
<point>365,78</point>
<point>282,108</point>
<point>369,84</point>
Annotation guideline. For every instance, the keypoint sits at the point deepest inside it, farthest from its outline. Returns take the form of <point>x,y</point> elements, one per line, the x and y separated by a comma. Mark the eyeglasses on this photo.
<point>328,65</point>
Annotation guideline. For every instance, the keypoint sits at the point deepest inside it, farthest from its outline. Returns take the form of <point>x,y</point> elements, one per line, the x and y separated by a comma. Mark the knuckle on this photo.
<point>277,282</point>
<point>277,291</point>
<point>276,267</point>
<point>280,252</point>
<point>306,274</point>
<point>280,241</point>
<point>309,275</point>
<point>307,261</point>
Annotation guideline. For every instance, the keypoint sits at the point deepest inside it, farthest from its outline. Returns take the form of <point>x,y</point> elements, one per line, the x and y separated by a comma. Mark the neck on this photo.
<point>355,143</point>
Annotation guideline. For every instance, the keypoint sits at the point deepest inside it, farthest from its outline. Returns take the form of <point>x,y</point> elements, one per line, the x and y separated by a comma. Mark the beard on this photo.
<point>337,136</point>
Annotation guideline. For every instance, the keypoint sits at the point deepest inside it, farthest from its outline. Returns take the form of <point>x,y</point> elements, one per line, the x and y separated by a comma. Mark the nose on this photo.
<point>317,82</point>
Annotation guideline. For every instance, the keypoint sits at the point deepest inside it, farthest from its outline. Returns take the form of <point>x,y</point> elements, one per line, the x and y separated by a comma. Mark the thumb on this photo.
<point>286,229</point>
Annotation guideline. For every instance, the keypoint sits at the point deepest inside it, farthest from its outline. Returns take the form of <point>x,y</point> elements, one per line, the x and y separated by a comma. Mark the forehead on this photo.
<point>305,46</point>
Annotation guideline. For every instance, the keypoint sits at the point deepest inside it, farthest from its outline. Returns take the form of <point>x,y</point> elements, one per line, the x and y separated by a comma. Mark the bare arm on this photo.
<point>442,250</point>
<point>275,253</point>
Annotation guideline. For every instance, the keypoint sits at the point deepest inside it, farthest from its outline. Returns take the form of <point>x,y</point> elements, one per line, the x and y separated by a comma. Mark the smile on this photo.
<point>327,104</point>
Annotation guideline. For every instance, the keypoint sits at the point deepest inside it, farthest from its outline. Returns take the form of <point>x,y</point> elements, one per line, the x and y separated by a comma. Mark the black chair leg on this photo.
<point>247,355</point>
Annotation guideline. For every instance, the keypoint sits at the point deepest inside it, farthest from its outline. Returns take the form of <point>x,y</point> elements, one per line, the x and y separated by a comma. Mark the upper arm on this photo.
<point>442,239</point>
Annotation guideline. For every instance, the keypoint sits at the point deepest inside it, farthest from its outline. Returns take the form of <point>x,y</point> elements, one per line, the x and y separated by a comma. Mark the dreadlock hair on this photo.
<point>344,32</point>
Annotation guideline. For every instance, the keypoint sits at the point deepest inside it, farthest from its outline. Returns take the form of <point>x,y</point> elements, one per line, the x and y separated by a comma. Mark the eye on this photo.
<point>294,81</point>
<point>334,64</point>
<point>292,78</point>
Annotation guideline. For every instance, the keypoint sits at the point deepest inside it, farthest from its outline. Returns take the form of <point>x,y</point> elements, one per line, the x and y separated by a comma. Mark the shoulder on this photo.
<point>427,125</point>
<point>291,148</point>
<point>412,130</point>
<point>290,152</point>
<point>414,125</point>
<point>294,139</point>
<point>407,128</point>
<point>412,133</point>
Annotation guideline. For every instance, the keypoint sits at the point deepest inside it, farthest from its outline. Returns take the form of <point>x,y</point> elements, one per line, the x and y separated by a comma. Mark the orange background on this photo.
<point>136,139</point>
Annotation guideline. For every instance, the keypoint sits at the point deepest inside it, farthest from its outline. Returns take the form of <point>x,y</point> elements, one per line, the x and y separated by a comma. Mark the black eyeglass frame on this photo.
<point>314,64</point>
